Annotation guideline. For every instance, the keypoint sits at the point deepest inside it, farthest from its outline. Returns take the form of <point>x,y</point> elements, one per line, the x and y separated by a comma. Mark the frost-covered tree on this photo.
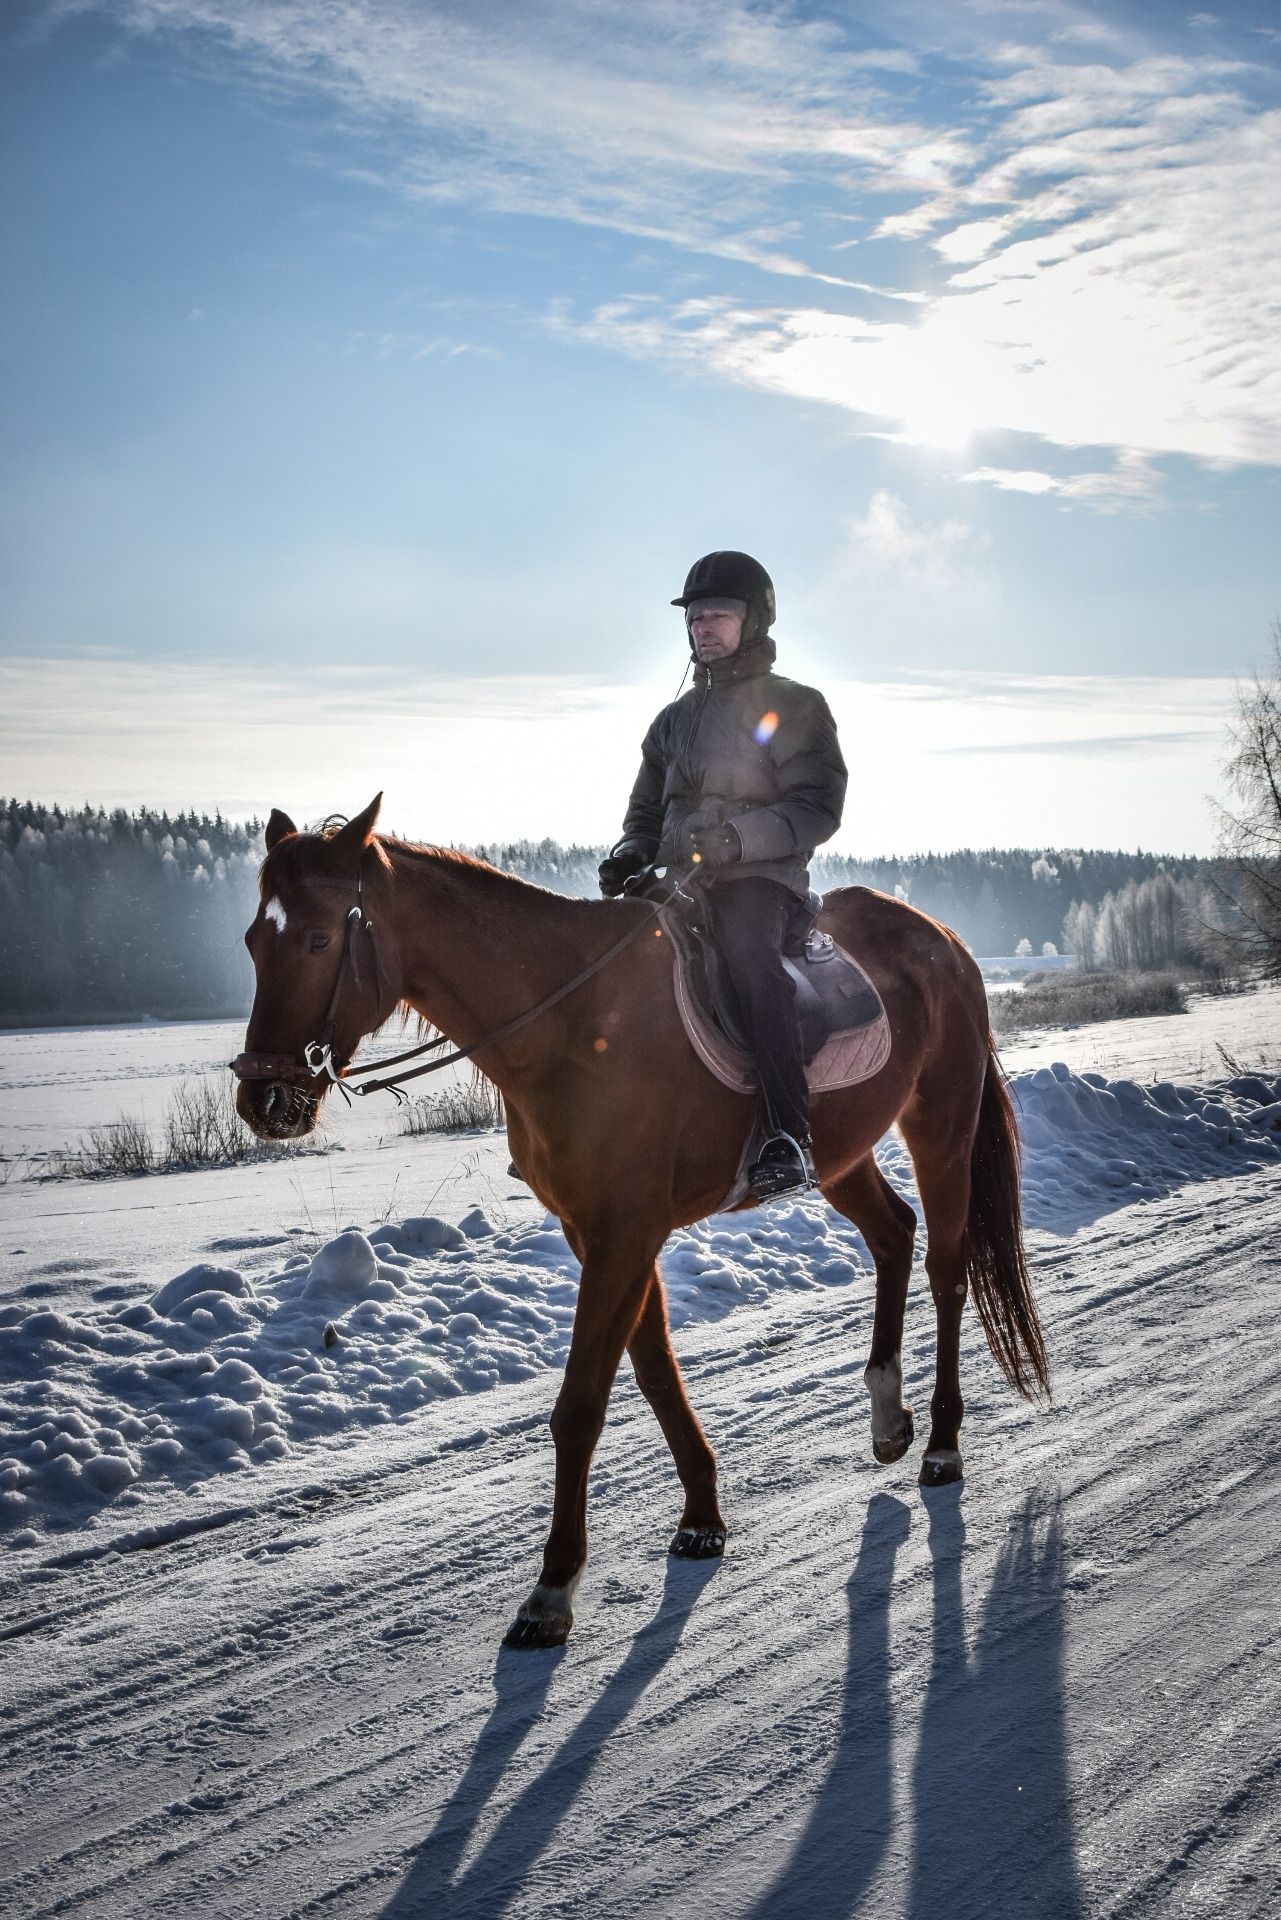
<point>1080,933</point>
<point>106,914</point>
<point>1249,885</point>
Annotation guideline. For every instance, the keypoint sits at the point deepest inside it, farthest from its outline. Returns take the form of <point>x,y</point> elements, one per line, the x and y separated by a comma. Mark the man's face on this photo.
<point>715,633</point>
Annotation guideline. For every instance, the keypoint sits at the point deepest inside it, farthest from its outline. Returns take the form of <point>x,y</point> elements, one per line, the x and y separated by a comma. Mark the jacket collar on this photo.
<point>755,658</point>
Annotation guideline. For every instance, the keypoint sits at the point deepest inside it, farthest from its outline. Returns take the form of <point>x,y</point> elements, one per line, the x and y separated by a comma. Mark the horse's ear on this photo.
<point>277,827</point>
<point>350,841</point>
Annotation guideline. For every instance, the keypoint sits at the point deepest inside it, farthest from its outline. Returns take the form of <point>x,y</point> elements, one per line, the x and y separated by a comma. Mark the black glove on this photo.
<point>717,846</point>
<point>618,866</point>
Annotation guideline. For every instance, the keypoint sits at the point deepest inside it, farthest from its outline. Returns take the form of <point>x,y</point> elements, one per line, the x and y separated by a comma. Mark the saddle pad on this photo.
<point>843,1060</point>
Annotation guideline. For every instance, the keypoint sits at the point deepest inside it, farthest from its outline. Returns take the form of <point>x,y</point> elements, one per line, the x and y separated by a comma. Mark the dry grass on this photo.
<point>455,1109</point>
<point>201,1128</point>
<point>1081,999</point>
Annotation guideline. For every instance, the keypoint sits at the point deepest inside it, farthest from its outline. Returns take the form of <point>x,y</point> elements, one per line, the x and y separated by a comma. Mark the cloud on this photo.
<point>560,751</point>
<point>1093,745</point>
<point>1133,482</point>
<point>1089,229</point>
<point>660,120</point>
<point>888,541</point>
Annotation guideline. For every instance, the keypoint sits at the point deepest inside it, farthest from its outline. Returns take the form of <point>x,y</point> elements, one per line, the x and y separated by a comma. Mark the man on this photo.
<point>740,780</point>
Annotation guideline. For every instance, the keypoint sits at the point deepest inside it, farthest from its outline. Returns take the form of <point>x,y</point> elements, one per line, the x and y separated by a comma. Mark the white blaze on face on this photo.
<point>274,911</point>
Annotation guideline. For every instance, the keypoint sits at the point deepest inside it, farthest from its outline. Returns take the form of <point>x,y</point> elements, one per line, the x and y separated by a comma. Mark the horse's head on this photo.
<point>320,986</point>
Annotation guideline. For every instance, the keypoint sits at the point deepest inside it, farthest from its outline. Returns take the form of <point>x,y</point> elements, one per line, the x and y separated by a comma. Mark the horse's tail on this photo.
<point>995,1260</point>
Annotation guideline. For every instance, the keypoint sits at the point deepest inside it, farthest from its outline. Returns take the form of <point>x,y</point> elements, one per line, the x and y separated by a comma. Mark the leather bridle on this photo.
<point>317,1056</point>
<point>317,1060</point>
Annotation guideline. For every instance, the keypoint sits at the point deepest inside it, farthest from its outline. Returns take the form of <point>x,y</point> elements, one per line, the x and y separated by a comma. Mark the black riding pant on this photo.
<point>752,921</point>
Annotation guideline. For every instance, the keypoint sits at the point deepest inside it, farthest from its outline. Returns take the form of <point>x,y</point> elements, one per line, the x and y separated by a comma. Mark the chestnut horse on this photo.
<point>623,1134</point>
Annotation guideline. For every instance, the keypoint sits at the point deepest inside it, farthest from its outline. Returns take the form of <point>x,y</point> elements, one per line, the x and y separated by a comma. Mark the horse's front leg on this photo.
<point>611,1294</point>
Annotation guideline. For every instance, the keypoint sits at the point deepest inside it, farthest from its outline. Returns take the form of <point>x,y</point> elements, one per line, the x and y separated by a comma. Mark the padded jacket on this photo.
<point>744,745</point>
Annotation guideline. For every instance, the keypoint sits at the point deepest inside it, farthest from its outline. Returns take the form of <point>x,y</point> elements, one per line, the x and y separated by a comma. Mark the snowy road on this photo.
<point>1053,1693</point>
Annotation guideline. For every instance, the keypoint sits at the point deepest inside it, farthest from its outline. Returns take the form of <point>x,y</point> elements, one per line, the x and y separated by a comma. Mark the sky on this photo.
<point>373,373</point>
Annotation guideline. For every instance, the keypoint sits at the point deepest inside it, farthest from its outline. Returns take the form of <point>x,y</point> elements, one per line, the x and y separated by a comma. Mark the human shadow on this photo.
<point>992,1828</point>
<point>432,1886</point>
<point>845,1837</point>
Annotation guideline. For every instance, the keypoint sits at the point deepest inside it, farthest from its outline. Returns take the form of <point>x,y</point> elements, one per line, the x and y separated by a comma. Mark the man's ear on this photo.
<point>350,841</point>
<point>278,828</point>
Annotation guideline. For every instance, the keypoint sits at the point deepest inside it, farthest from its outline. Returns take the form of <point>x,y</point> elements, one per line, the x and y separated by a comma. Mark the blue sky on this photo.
<point>398,344</point>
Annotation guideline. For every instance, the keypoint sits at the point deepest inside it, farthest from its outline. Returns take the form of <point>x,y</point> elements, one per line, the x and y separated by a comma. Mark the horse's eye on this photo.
<point>319,941</point>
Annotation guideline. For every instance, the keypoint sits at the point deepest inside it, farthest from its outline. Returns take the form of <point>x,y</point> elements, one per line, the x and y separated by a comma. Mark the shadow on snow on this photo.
<point>528,1827</point>
<point>991,1816</point>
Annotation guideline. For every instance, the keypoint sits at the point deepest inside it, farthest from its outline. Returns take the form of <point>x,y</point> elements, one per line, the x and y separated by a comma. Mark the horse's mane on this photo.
<point>294,860</point>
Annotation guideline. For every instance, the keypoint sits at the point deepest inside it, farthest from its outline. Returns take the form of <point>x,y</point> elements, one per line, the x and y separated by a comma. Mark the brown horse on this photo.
<point>624,1135</point>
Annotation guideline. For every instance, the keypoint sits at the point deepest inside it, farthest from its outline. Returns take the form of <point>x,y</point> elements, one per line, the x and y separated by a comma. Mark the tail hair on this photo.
<point>995,1258</point>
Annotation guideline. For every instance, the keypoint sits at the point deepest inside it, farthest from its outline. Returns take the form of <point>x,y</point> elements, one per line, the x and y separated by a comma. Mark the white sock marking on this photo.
<point>885,1385</point>
<point>552,1603</point>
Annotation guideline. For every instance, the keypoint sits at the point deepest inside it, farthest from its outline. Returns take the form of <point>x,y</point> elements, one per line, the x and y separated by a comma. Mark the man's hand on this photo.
<point>618,867</point>
<point>717,846</point>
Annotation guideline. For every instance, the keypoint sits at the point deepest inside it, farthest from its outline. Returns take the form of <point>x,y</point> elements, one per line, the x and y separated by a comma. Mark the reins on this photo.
<point>318,1053</point>
<point>392,1084</point>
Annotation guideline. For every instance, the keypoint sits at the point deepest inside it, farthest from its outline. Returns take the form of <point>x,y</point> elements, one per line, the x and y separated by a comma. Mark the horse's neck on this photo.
<point>476,947</point>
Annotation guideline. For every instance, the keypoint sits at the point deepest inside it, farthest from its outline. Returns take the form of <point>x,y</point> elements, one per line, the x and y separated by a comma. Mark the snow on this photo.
<point>216,1372</point>
<point>256,1584</point>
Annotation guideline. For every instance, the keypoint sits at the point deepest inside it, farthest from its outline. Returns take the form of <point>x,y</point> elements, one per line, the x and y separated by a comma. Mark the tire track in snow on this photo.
<point>686,1752</point>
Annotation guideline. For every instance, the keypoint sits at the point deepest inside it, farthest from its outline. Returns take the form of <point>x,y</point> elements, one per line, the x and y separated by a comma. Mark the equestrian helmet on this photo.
<point>731,576</point>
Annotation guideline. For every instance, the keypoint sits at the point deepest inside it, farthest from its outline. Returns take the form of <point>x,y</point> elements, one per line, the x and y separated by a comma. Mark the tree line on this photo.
<point>104,915</point>
<point>109,915</point>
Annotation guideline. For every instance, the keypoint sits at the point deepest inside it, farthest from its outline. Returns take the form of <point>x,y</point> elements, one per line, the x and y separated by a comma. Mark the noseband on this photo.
<point>317,1055</point>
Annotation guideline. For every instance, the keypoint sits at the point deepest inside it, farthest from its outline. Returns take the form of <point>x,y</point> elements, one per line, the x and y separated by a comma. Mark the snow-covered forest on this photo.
<point>104,914</point>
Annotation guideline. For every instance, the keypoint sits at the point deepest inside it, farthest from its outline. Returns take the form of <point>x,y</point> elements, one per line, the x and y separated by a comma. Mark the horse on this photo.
<point>624,1135</point>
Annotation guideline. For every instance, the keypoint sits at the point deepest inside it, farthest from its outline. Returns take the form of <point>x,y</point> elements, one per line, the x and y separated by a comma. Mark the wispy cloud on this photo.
<point>889,540</point>
<point>1090,227</point>
<point>1092,746</point>
<point>1134,481</point>
<point>934,761</point>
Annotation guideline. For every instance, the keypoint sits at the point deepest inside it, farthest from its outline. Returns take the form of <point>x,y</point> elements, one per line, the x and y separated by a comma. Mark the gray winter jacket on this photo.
<point>744,745</point>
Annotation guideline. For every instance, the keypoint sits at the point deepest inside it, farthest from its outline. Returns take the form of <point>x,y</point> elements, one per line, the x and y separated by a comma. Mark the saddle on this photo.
<point>845,1033</point>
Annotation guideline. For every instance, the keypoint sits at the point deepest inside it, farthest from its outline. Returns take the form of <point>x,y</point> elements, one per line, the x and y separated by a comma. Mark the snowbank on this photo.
<point>216,1374</point>
<point>1096,1142</point>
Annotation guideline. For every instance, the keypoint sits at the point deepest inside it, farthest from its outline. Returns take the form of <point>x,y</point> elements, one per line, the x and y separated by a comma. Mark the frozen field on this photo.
<point>255,1586</point>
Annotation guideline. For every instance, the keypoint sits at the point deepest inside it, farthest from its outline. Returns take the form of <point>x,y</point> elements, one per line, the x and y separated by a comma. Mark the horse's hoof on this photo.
<point>530,1632</point>
<point>888,1451</point>
<point>697,1543</point>
<point>942,1469</point>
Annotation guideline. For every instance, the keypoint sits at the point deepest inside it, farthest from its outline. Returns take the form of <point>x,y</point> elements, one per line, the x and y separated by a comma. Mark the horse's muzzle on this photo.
<point>276,1110</point>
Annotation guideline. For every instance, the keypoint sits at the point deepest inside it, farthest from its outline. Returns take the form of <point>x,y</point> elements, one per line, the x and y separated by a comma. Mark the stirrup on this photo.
<point>785,1166</point>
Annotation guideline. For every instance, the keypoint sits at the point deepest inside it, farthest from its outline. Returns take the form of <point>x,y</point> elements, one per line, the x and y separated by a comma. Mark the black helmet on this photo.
<point>731,576</point>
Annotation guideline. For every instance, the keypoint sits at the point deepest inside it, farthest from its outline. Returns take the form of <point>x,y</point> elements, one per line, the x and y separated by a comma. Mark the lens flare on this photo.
<point>766,728</point>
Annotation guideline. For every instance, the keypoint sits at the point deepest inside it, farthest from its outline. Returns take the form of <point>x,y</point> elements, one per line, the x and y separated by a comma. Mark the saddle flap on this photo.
<point>844,1029</point>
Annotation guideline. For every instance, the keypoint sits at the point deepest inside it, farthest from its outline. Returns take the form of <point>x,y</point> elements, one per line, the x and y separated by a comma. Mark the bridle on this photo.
<point>317,1061</point>
<point>317,1056</point>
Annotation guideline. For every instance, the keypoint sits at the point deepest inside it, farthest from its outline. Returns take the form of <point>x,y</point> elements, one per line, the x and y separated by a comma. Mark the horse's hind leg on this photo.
<point>701,1534</point>
<point>888,1224</point>
<point>943,1180</point>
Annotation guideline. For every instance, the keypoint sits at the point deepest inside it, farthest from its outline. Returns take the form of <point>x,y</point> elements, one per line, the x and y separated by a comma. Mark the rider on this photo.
<point>740,780</point>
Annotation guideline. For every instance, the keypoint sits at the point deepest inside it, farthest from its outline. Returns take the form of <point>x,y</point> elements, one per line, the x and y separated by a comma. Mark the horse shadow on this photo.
<point>992,1801</point>
<point>848,1830</point>
<point>432,1886</point>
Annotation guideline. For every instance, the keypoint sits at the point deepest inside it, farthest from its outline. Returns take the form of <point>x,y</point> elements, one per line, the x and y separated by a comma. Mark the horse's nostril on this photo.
<point>285,1111</point>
